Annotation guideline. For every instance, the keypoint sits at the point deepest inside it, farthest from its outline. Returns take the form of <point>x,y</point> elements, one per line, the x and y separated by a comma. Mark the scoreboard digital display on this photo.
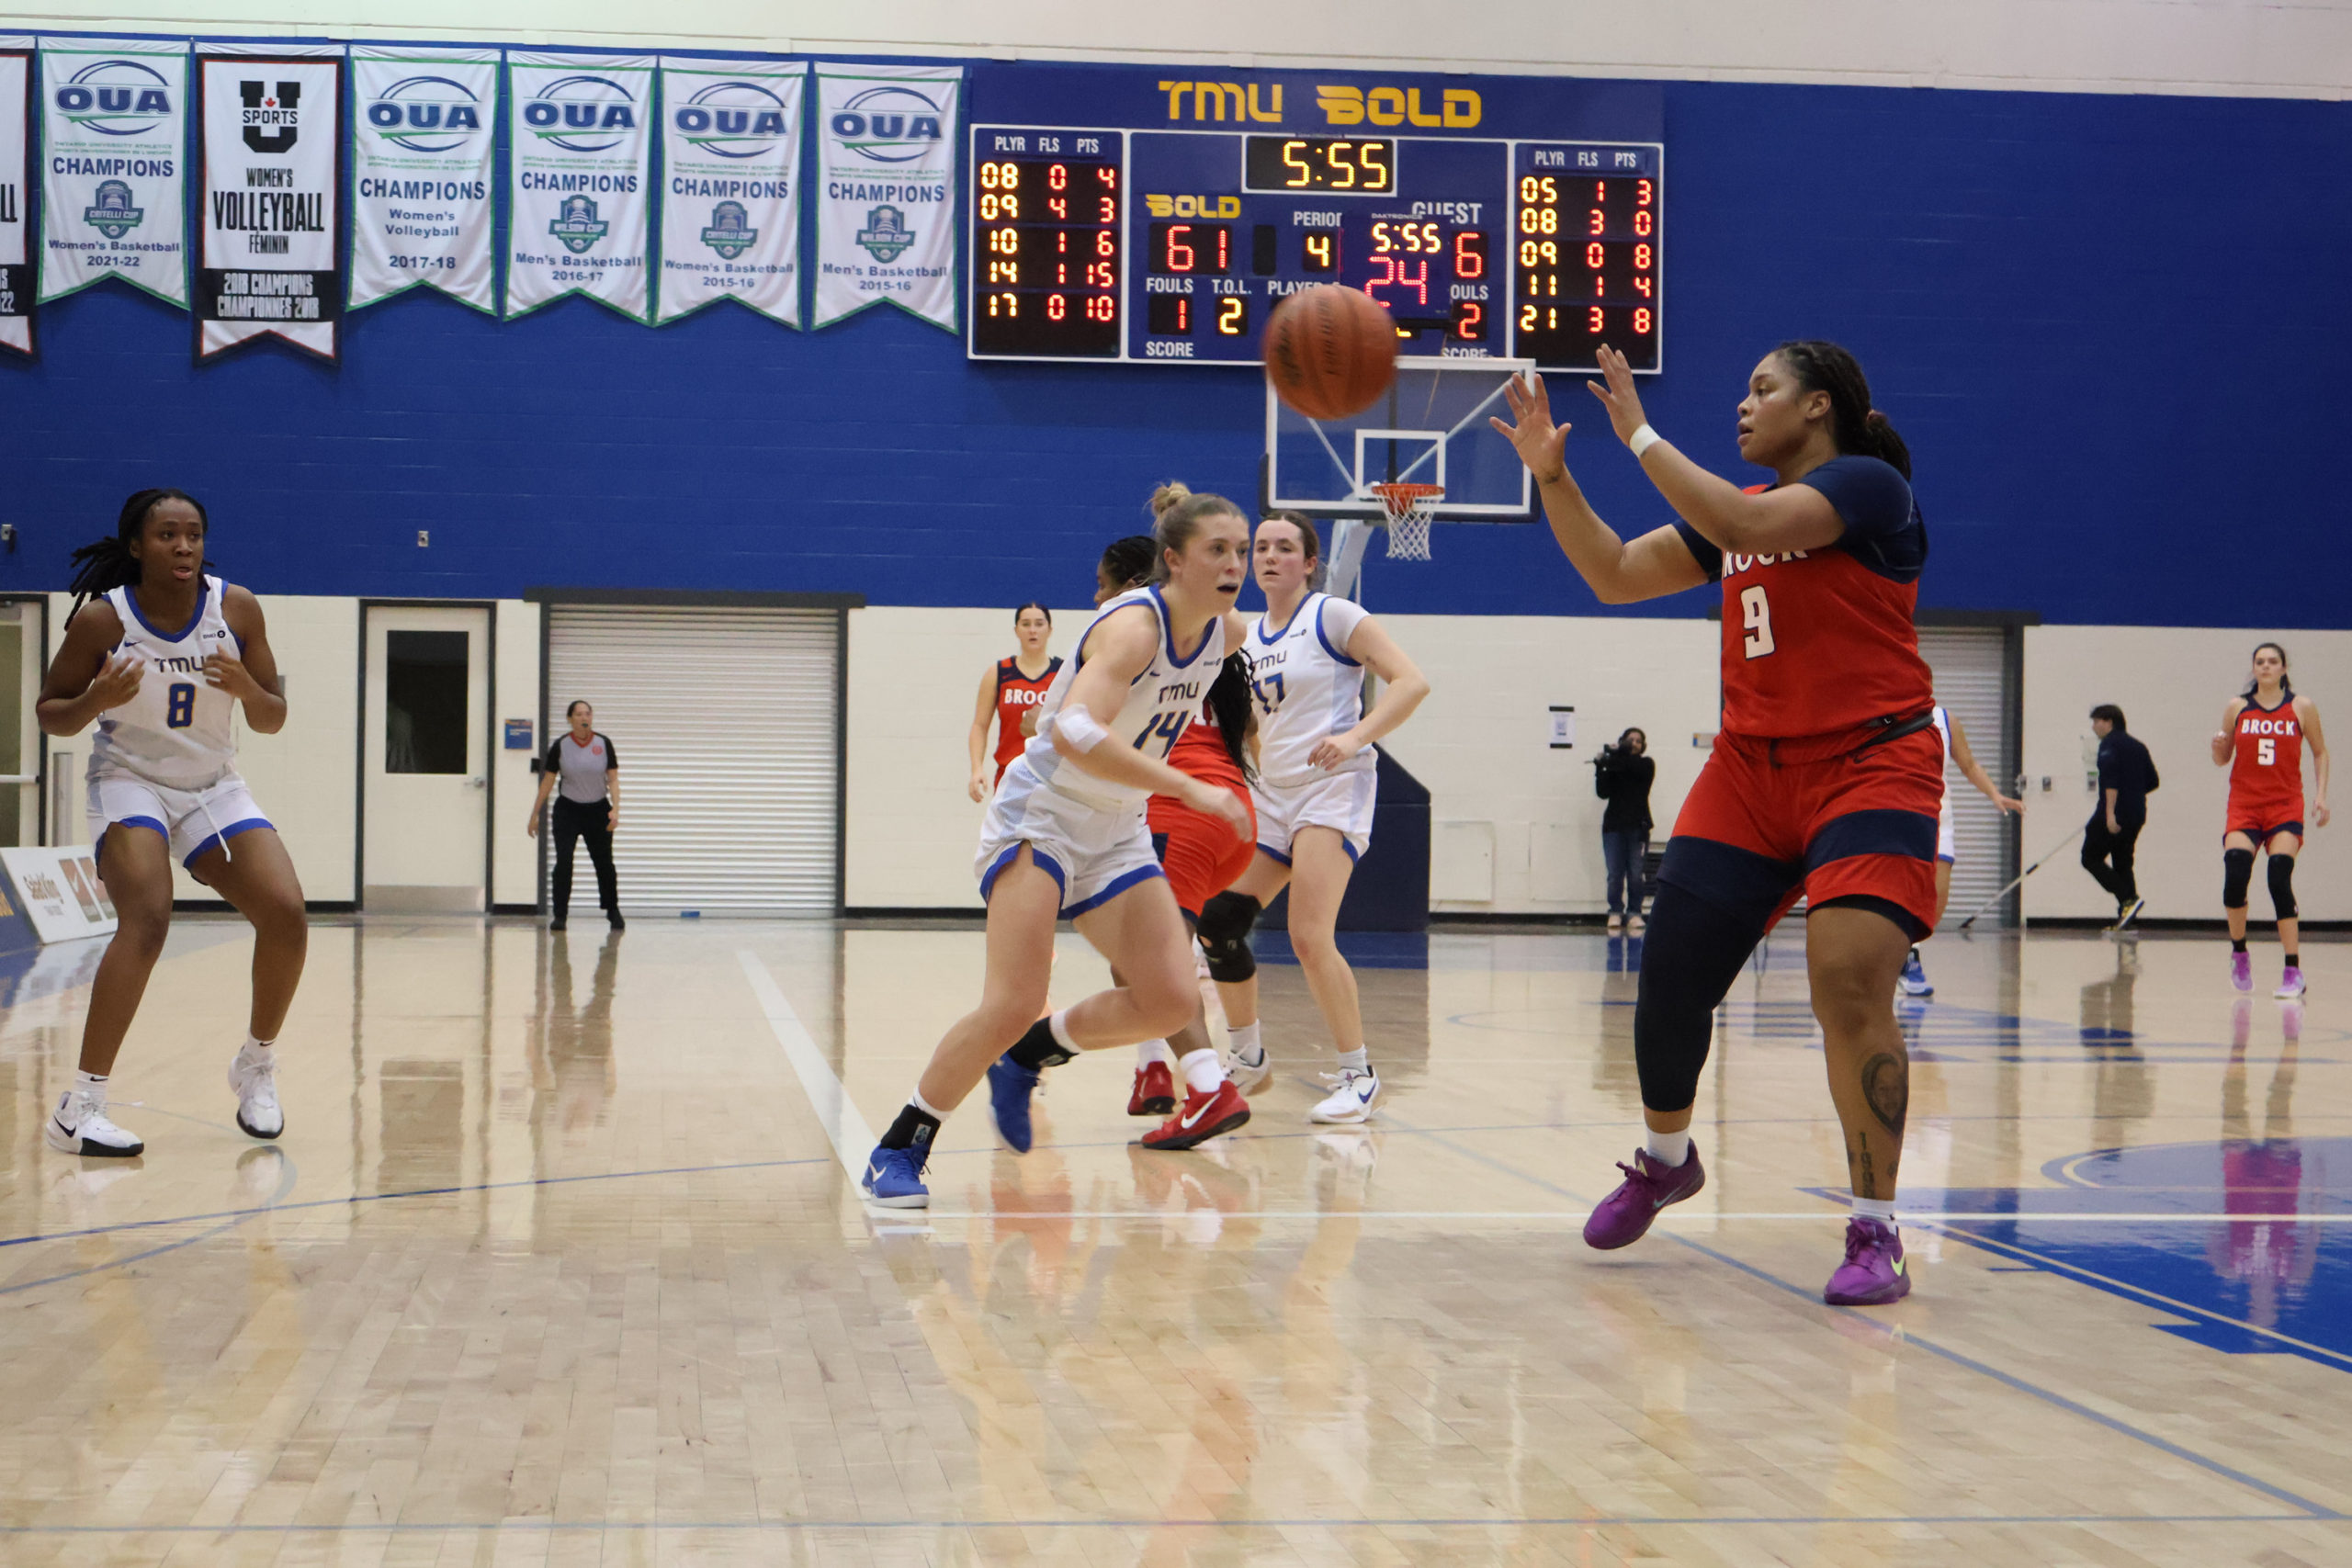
<point>1173,245</point>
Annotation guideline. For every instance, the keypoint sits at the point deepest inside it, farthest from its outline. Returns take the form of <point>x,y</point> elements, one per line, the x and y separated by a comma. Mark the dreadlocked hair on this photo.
<point>1228,701</point>
<point>101,567</point>
<point>1859,429</point>
<point>1127,561</point>
<point>1175,526</point>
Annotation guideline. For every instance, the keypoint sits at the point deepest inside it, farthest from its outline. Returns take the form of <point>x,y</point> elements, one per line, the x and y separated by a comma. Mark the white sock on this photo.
<point>93,1084</point>
<point>1878,1209</point>
<point>1204,1070</point>
<point>1058,1023</point>
<point>1152,1050</point>
<point>1669,1149</point>
<point>1245,1042</point>
<point>255,1042</point>
<point>1356,1061</point>
<point>915,1098</point>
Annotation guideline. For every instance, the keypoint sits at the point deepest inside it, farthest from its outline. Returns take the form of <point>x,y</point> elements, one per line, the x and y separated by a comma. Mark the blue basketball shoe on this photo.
<point>1009,1087</point>
<point>893,1177</point>
<point>1914,982</point>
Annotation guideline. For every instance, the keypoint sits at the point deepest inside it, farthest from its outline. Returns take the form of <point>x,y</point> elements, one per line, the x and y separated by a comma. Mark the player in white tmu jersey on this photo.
<point>160,654</point>
<point>1913,980</point>
<point>1313,795</point>
<point>1066,836</point>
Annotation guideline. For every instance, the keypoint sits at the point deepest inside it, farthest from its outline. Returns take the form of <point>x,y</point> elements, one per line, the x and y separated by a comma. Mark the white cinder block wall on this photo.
<point>2171,683</point>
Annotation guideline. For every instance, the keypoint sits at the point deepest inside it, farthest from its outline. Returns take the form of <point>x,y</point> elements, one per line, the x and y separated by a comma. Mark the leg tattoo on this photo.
<point>1886,1088</point>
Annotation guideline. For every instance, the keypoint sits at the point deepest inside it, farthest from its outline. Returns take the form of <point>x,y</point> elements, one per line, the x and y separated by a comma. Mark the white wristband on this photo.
<point>1642,440</point>
<point>1078,727</point>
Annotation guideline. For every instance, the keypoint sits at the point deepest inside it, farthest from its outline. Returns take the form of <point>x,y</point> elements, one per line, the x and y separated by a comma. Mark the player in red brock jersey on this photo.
<point>2261,742</point>
<point>1825,778</point>
<point>1010,691</point>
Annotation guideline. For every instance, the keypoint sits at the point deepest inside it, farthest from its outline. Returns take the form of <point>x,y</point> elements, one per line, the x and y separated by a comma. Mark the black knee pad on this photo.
<point>2282,886</point>
<point>1691,955</point>
<point>2237,875</point>
<point>1226,923</point>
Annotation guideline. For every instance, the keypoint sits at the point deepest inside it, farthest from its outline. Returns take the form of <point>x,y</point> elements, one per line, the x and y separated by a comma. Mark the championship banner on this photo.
<point>730,159</point>
<point>885,230</point>
<point>579,126</point>
<point>114,159</point>
<point>270,195</point>
<point>423,136</point>
<point>16,190</point>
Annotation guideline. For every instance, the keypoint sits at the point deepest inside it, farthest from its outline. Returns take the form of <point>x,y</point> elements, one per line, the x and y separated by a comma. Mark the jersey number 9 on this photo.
<point>1756,616</point>
<point>179,706</point>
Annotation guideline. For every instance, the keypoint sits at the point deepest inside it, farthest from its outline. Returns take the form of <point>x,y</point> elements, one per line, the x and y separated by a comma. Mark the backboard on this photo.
<point>1430,428</point>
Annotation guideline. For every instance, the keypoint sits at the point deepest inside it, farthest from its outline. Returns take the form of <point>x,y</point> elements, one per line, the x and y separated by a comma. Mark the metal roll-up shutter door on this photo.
<point>727,726</point>
<point>1972,681</point>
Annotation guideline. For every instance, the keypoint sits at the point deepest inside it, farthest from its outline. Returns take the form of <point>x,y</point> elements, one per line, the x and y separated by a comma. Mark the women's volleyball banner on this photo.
<point>731,169</point>
<point>16,189</point>
<point>580,126</point>
<point>885,226</point>
<point>270,221</point>
<point>114,164</point>
<point>423,135</point>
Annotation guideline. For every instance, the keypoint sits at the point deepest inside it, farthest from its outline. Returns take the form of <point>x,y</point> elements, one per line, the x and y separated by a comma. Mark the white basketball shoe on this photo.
<point>253,1079</point>
<point>79,1126</point>
<point>1351,1100</point>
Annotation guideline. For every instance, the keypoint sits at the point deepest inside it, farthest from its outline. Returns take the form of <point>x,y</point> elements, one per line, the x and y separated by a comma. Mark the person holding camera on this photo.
<point>1622,776</point>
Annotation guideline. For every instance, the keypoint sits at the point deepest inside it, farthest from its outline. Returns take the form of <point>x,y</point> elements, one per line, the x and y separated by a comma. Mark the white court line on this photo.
<point>844,1128</point>
<point>1929,1217</point>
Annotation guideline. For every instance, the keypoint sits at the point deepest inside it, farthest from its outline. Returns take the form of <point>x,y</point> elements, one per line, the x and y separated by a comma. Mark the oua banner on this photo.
<point>114,164</point>
<point>15,192</point>
<point>886,218</point>
<point>581,136</point>
<point>730,175</point>
<point>270,221</point>
<point>423,142</point>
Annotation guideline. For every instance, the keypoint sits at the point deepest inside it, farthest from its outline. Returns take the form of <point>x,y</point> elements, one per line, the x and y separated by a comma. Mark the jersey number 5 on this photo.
<point>1756,614</point>
<point>2266,751</point>
<point>179,706</point>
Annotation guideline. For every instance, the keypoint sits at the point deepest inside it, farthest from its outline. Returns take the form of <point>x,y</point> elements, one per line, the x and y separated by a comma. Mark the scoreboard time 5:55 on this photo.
<point>1125,242</point>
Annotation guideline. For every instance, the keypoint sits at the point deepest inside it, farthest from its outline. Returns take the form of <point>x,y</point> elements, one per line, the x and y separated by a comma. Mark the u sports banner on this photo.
<point>15,192</point>
<point>269,224</point>
<point>424,142</point>
<point>581,133</point>
<point>885,164</point>
<point>730,175</point>
<point>114,164</point>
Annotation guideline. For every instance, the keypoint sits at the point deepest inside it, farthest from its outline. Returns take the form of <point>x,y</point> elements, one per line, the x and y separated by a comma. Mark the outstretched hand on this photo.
<point>1540,445</point>
<point>1618,395</point>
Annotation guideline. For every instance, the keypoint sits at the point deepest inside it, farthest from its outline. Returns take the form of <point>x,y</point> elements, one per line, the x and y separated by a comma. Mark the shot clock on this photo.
<point>1173,245</point>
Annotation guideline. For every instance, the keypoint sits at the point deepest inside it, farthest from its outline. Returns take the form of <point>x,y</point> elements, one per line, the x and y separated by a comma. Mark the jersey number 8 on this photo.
<point>179,706</point>
<point>1756,614</point>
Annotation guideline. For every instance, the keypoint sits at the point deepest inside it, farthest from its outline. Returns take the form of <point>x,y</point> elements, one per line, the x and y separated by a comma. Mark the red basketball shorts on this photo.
<point>1200,853</point>
<point>1826,817</point>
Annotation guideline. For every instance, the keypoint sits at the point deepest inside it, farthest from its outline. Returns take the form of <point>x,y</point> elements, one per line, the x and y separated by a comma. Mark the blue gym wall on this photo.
<point>2113,328</point>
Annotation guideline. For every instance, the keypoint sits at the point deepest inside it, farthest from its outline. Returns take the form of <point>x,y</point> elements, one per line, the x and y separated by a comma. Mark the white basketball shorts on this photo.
<point>190,821</point>
<point>1341,802</point>
<point>1945,851</point>
<point>1094,854</point>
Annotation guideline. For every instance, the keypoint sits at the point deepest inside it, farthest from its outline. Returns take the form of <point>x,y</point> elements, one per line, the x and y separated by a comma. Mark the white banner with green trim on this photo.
<point>423,144</point>
<point>730,179</point>
<point>581,135</point>
<point>113,165</point>
<point>886,168</point>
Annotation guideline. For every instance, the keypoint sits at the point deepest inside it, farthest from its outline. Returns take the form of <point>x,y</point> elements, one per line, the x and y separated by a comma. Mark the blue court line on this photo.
<point>1580,1521</point>
<point>1898,1334</point>
<point>233,1219</point>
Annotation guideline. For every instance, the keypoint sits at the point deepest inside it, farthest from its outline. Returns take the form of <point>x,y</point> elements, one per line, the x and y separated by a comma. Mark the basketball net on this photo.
<point>1409,509</point>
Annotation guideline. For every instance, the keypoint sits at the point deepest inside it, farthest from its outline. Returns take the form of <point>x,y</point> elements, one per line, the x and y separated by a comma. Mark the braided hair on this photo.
<point>1858,429</point>
<point>107,565</point>
<point>1228,701</point>
<point>1128,561</point>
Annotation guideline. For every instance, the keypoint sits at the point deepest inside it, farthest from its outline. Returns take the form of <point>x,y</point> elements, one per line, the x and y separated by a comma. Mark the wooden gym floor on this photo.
<point>560,1261</point>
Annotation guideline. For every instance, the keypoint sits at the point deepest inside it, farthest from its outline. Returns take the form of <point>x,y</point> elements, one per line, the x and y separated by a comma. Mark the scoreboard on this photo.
<point>1132,242</point>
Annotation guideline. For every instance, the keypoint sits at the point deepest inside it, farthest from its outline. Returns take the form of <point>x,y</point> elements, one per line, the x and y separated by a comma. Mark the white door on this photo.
<point>21,673</point>
<point>425,810</point>
<point>1970,664</point>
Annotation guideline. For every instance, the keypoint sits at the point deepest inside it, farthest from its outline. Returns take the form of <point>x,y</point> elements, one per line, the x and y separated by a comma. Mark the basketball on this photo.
<point>1330,352</point>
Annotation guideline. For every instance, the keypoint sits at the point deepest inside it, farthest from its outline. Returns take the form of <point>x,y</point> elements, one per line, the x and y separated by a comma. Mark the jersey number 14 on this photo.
<point>1756,616</point>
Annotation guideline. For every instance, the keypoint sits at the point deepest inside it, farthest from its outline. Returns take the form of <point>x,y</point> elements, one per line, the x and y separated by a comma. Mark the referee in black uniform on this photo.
<point>584,763</point>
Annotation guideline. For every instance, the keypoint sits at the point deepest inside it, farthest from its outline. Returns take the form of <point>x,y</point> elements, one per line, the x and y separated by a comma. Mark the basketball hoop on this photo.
<point>1409,507</point>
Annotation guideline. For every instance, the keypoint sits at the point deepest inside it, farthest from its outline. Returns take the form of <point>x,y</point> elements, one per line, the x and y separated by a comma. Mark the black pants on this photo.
<point>574,821</point>
<point>2108,857</point>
